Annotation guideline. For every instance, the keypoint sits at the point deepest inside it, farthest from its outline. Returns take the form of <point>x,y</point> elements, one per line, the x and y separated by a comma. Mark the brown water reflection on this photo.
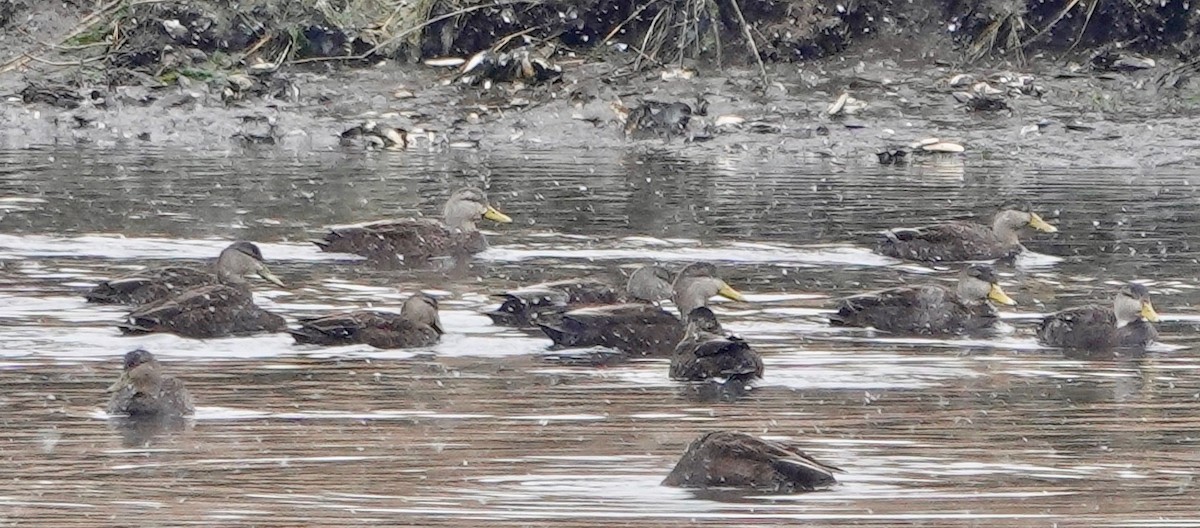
<point>486,428</point>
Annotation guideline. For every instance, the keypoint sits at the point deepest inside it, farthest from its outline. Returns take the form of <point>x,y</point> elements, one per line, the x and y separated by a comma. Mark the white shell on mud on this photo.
<point>729,120</point>
<point>951,148</point>
<point>445,62</point>
<point>838,105</point>
<point>1134,62</point>
<point>922,142</point>
<point>961,79</point>
<point>678,73</point>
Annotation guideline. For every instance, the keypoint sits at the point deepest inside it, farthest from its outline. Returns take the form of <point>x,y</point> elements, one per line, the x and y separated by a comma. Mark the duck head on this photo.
<point>697,283</point>
<point>422,308</point>
<point>241,259</point>
<point>979,282</point>
<point>1016,215</point>
<point>468,205</point>
<point>650,284</point>
<point>1133,303</point>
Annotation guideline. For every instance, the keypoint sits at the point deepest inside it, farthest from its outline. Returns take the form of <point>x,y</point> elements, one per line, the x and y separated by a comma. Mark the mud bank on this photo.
<point>200,76</point>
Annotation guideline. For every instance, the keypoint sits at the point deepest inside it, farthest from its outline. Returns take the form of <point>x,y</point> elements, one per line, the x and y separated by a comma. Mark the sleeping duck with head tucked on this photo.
<point>640,328</point>
<point>235,262</point>
<point>418,239</point>
<point>543,303</point>
<point>417,325</point>
<point>730,459</point>
<point>962,241</point>
<point>931,309</point>
<point>1127,324</point>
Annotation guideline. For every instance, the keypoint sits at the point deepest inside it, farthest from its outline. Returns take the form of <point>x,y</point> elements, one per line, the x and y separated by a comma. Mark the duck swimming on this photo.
<point>729,459</point>
<point>235,262</point>
<point>707,353</point>
<point>960,241</point>
<point>418,239</point>
<point>417,325</point>
<point>929,309</point>
<point>144,391</point>
<point>641,328</point>
<point>544,302</point>
<point>1126,324</point>
<point>217,310</point>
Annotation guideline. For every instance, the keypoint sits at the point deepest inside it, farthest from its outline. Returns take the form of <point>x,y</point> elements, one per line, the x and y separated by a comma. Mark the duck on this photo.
<point>417,325</point>
<point>931,309</point>
<point>204,312</point>
<point>418,239</point>
<point>1127,324</point>
<point>963,241</point>
<point>144,391</point>
<point>706,352</point>
<point>527,306</point>
<point>236,261</point>
<point>640,328</point>
<point>731,459</point>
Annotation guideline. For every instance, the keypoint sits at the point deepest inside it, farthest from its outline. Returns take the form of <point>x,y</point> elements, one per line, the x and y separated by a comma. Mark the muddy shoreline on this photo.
<point>1050,110</point>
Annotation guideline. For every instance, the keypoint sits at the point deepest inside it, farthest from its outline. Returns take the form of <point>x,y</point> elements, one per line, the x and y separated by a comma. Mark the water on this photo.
<point>486,429</point>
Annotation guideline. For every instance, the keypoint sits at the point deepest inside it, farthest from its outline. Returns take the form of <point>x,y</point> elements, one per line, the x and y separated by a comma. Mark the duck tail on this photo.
<point>558,335</point>
<point>103,293</point>
<point>136,326</point>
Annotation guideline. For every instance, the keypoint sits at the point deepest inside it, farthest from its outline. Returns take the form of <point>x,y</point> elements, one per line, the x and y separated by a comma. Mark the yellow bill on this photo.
<point>266,274</point>
<point>1036,222</point>
<point>997,294</point>
<point>496,216</point>
<point>728,292</point>
<point>1148,312</point>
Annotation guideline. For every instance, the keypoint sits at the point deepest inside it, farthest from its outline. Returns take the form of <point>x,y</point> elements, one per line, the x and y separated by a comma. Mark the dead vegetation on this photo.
<point>139,40</point>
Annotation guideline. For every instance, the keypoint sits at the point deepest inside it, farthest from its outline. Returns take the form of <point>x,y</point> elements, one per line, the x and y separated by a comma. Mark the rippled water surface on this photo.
<point>489,428</point>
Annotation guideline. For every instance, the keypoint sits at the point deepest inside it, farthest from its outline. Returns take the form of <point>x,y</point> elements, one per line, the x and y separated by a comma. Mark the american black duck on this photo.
<point>216,310</point>
<point>144,391</point>
<point>930,309</point>
<point>417,325</point>
<point>640,328</point>
<point>960,241</point>
<point>235,262</point>
<point>706,352</point>
<point>1126,324</point>
<point>728,459</point>
<point>542,303</point>
<point>418,239</point>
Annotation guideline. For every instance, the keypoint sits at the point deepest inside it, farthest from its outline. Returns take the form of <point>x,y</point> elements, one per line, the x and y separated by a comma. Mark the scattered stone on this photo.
<point>845,105</point>
<point>1115,61</point>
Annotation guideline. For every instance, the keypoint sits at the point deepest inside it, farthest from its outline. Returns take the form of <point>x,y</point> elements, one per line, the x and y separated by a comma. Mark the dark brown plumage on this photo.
<point>961,241</point>
<point>638,328</point>
<point>239,259</point>
<point>930,309</point>
<point>419,239</point>
<point>143,391</point>
<point>706,352</point>
<point>544,303</point>
<point>728,459</point>
<point>417,325</point>
<point>1126,324</point>
<point>217,310</point>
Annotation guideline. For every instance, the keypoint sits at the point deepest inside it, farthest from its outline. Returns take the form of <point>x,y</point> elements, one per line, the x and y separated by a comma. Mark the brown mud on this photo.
<point>1063,87</point>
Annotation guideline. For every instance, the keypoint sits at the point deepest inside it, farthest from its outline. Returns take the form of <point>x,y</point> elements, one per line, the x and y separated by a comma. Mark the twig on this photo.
<point>40,60</point>
<point>762,69</point>
<point>83,25</point>
<point>418,27</point>
<point>617,29</point>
